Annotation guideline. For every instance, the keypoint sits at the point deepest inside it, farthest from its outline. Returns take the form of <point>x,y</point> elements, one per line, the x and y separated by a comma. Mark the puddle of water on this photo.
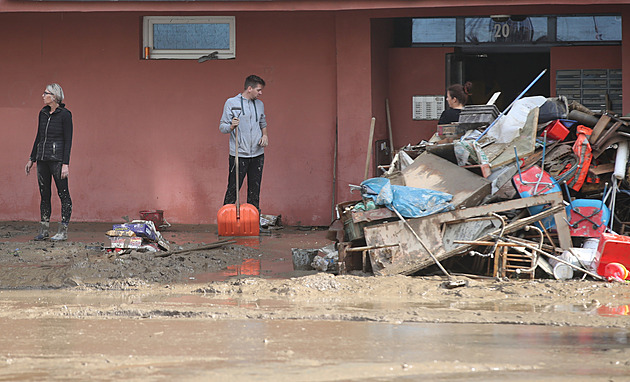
<point>276,259</point>
<point>305,350</point>
<point>271,304</point>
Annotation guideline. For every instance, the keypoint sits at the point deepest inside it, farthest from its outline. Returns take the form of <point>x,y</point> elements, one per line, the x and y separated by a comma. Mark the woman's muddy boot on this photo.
<point>62,234</point>
<point>43,231</point>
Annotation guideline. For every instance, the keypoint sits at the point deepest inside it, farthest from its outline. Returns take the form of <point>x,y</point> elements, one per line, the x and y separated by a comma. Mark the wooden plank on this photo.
<point>604,168</point>
<point>515,226</point>
<point>615,138</point>
<point>413,257</point>
<point>432,172</point>
<point>369,149</point>
<point>605,136</point>
<point>466,213</point>
<point>562,229</point>
<point>599,128</point>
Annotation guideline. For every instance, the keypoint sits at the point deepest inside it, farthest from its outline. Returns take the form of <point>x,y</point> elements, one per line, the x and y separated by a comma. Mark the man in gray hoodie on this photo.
<point>246,112</point>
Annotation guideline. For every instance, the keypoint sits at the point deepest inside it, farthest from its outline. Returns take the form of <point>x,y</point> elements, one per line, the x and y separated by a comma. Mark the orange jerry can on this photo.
<point>235,220</point>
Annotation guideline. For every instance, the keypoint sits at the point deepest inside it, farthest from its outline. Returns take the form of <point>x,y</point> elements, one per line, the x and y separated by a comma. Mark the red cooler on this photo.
<point>612,248</point>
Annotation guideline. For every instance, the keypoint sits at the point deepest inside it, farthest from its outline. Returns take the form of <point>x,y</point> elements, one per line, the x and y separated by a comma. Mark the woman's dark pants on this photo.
<point>46,171</point>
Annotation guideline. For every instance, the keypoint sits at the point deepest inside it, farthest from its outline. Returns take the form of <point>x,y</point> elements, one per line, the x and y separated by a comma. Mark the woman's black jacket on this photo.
<point>54,135</point>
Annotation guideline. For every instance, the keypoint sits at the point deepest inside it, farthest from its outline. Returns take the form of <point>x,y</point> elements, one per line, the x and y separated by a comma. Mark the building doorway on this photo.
<point>509,73</point>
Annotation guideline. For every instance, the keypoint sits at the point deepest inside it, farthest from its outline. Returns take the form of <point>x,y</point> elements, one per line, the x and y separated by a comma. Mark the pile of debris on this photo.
<point>135,235</point>
<point>536,191</point>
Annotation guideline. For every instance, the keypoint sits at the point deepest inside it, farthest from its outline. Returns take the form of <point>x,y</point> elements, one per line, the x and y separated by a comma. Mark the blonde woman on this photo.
<point>51,152</point>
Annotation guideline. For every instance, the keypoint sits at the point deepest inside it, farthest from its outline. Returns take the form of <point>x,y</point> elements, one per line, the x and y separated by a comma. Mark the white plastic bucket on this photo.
<point>562,272</point>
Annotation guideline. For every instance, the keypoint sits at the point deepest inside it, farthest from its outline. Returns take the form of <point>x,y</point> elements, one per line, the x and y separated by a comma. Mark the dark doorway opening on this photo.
<point>509,73</point>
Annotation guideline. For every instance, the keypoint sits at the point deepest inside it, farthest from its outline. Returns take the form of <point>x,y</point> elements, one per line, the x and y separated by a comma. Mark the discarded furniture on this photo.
<point>509,263</point>
<point>436,229</point>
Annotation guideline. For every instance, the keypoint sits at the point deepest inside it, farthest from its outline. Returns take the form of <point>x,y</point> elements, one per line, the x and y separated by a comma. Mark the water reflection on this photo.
<point>291,350</point>
<point>621,310</point>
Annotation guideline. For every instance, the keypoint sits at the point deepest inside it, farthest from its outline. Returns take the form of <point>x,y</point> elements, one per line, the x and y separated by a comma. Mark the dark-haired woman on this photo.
<point>456,96</point>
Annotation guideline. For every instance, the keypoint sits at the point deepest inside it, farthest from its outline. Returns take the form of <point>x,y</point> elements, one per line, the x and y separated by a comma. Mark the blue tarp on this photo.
<point>410,202</point>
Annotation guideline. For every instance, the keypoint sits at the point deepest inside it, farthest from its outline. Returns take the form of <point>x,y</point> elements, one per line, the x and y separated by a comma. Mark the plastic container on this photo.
<point>557,131</point>
<point>616,271</point>
<point>581,257</point>
<point>591,243</point>
<point>562,272</point>
<point>612,248</point>
<point>156,216</point>
<point>568,123</point>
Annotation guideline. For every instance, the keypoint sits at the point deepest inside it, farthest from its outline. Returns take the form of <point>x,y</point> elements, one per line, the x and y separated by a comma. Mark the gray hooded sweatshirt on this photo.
<point>252,121</point>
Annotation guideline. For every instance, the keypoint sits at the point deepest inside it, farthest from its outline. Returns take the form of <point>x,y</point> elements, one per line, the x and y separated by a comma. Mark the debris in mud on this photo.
<point>137,234</point>
<point>85,265</point>
<point>518,194</point>
<point>271,222</point>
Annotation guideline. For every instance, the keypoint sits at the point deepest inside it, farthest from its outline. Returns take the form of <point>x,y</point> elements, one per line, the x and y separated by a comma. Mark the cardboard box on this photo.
<point>125,242</point>
<point>141,229</point>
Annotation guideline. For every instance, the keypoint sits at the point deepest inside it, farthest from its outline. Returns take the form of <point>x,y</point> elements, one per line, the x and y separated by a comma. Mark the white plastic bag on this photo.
<point>509,126</point>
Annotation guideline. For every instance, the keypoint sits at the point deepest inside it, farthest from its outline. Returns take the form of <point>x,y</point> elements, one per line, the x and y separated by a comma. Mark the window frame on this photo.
<point>460,40</point>
<point>186,54</point>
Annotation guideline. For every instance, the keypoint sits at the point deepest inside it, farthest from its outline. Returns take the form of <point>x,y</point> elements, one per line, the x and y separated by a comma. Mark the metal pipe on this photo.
<point>513,102</point>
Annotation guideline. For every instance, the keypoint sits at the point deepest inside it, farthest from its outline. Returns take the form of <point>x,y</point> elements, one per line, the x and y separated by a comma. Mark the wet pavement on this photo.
<point>155,334</point>
<point>162,347</point>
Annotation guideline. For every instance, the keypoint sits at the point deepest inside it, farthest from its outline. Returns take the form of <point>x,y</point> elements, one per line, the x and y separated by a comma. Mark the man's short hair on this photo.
<point>253,80</point>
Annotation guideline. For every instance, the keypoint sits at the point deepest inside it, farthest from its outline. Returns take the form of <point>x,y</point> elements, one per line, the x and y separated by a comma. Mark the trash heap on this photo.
<point>135,235</point>
<point>540,190</point>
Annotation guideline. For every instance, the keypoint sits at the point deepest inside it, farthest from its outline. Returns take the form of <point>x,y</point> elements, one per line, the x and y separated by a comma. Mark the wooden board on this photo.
<point>435,173</point>
<point>412,255</point>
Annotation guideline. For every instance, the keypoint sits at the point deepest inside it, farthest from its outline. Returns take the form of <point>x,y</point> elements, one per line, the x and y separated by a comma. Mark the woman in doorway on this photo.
<point>456,96</point>
<point>51,151</point>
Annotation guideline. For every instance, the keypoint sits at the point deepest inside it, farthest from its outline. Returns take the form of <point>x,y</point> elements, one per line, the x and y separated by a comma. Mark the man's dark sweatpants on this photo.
<point>253,168</point>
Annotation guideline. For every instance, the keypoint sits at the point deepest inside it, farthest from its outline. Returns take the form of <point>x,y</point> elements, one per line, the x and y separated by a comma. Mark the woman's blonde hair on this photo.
<point>56,91</point>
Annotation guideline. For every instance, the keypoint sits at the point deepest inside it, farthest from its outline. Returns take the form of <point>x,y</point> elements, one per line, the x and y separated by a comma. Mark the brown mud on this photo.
<point>73,311</point>
<point>81,265</point>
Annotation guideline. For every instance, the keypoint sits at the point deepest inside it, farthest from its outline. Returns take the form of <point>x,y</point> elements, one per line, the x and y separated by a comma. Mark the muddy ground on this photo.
<point>82,266</point>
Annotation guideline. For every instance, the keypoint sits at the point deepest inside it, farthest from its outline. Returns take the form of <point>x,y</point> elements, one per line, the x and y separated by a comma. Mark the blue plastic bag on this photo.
<point>410,202</point>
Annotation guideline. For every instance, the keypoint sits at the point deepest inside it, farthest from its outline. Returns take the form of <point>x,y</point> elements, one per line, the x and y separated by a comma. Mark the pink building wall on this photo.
<point>146,131</point>
<point>584,57</point>
<point>414,71</point>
